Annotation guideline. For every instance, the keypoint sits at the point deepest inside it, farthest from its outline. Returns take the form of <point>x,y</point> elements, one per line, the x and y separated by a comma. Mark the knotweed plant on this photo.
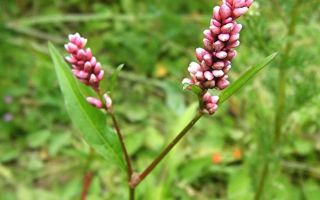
<point>209,71</point>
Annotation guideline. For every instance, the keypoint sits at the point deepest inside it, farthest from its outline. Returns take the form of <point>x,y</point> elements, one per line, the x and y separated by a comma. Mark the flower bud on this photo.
<point>224,37</point>
<point>108,101</point>
<point>194,67</point>
<point>239,11</point>
<point>95,102</point>
<point>225,11</point>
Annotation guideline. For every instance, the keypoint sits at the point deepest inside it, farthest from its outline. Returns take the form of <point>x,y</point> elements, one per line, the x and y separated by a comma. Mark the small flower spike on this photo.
<point>84,66</point>
<point>220,40</point>
<point>210,103</point>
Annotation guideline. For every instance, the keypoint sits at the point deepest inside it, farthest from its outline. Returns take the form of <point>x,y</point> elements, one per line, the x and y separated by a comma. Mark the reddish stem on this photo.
<point>86,184</point>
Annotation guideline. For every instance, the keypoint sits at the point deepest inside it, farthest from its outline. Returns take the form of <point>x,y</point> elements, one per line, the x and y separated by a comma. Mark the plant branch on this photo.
<point>125,153</point>
<point>131,193</point>
<point>86,184</point>
<point>123,146</point>
<point>170,146</point>
<point>120,137</point>
<point>87,179</point>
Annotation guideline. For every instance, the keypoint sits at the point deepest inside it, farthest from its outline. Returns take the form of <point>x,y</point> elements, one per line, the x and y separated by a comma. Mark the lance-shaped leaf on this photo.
<point>90,121</point>
<point>114,77</point>
<point>240,82</point>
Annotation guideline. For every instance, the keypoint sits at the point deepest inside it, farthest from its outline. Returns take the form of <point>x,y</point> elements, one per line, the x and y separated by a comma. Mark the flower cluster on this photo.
<point>86,68</point>
<point>220,41</point>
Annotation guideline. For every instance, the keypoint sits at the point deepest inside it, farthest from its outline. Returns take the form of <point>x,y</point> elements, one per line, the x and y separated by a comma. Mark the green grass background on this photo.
<point>43,157</point>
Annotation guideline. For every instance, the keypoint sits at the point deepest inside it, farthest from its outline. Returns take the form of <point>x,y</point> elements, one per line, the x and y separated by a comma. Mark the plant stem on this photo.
<point>87,179</point>
<point>131,193</point>
<point>125,153</point>
<point>170,146</point>
<point>86,184</point>
<point>123,146</point>
<point>281,99</point>
<point>264,174</point>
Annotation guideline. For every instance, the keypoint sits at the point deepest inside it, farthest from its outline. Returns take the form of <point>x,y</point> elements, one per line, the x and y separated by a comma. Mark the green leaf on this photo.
<point>89,120</point>
<point>114,77</point>
<point>248,75</point>
<point>193,88</point>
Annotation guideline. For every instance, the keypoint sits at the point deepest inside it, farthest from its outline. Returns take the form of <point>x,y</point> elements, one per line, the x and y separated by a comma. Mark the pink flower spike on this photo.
<point>85,65</point>
<point>210,103</point>
<point>95,102</point>
<point>219,43</point>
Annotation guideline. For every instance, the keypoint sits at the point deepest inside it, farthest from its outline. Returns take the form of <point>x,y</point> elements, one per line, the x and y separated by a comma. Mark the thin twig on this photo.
<point>131,193</point>
<point>87,179</point>
<point>160,157</point>
<point>123,146</point>
<point>86,185</point>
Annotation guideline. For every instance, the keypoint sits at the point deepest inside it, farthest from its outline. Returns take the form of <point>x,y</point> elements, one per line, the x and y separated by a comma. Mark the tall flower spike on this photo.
<point>84,66</point>
<point>220,41</point>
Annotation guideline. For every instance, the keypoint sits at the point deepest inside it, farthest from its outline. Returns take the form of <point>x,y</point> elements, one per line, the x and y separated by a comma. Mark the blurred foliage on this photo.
<point>43,157</point>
